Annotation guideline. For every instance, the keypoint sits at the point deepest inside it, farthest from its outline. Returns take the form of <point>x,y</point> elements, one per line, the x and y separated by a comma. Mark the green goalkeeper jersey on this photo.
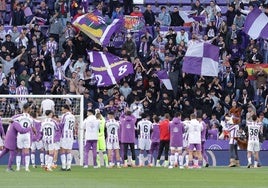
<point>102,128</point>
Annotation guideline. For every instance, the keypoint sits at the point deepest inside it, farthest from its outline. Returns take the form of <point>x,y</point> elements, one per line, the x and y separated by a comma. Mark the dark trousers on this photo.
<point>233,152</point>
<point>164,144</point>
<point>131,145</point>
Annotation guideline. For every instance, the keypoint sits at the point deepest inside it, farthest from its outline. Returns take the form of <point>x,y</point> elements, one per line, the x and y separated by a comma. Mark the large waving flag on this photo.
<point>108,69</point>
<point>256,24</point>
<point>202,59</point>
<point>97,27</point>
<point>163,77</point>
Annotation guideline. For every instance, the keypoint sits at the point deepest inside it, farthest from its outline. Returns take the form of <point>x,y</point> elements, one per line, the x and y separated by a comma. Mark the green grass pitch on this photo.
<point>219,177</point>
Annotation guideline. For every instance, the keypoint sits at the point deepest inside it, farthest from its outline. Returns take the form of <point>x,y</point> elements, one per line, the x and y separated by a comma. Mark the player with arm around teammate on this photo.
<point>176,129</point>
<point>11,142</point>
<point>37,143</point>
<point>185,146</point>
<point>67,137</point>
<point>144,126</point>
<point>203,140</point>
<point>112,127</point>
<point>233,130</point>
<point>57,139</point>
<point>48,129</point>
<point>155,140</point>
<point>254,129</point>
<point>24,140</point>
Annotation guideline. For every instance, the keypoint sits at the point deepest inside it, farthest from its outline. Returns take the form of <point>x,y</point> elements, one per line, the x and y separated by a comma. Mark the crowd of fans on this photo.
<point>34,62</point>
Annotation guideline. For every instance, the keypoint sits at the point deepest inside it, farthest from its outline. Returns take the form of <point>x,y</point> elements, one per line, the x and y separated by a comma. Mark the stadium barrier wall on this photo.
<point>217,151</point>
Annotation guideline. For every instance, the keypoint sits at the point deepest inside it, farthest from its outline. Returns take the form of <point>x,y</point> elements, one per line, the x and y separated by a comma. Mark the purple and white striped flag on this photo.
<point>188,17</point>
<point>108,69</point>
<point>256,24</point>
<point>163,77</point>
<point>97,27</point>
<point>202,59</point>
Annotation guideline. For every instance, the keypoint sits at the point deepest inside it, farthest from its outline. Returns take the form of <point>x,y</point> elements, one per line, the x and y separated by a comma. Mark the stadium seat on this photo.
<point>8,18</point>
<point>186,8</point>
<point>142,8</point>
<point>205,2</point>
<point>151,2</point>
<point>156,9</point>
<point>173,2</point>
<point>162,2</point>
<point>185,2</point>
<point>8,7</point>
<point>224,9</point>
<point>36,2</point>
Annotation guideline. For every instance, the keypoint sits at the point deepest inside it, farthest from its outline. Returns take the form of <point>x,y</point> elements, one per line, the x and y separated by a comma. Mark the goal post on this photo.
<point>11,104</point>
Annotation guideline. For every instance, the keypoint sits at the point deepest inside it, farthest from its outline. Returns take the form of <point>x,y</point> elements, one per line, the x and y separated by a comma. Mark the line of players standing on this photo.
<point>177,138</point>
<point>26,134</point>
<point>154,137</point>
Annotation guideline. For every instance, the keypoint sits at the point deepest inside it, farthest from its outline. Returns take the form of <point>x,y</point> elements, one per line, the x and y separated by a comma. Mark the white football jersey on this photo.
<point>92,126</point>
<point>24,119</point>
<point>68,123</point>
<point>48,129</point>
<point>254,128</point>
<point>194,130</point>
<point>112,130</point>
<point>145,127</point>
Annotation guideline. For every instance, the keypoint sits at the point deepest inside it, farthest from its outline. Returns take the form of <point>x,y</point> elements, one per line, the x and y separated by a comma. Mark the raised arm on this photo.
<point>67,62</point>
<point>53,62</point>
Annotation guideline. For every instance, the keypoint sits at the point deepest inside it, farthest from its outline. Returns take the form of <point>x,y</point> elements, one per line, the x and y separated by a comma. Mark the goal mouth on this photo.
<point>11,105</point>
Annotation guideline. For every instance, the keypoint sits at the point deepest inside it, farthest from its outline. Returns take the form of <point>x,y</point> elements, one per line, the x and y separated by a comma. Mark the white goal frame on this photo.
<point>81,115</point>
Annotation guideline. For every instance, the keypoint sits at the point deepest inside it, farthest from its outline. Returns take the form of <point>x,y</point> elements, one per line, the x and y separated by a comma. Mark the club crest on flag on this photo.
<point>109,69</point>
<point>97,27</point>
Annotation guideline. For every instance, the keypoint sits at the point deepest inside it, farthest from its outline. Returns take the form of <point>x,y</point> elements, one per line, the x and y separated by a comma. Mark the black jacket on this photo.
<point>176,19</point>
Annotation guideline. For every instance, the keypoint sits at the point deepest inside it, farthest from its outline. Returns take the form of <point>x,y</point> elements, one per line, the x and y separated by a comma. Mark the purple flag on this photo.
<point>256,24</point>
<point>188,17</point>
<point>28,12</point>
<point>97,27</point>
<point>108,69</point>
<point>163,77</point>
<point>202,59</point>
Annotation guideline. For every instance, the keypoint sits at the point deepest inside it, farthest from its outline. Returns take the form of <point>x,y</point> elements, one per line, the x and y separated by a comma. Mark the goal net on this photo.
<point>11,105</point>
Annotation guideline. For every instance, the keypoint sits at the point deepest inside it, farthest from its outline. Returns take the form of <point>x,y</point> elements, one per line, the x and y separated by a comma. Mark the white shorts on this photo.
<point>185,144</point>
<point>1,142</point>
<point>144,144</point>
<point>24,141</point>
<point>57,145</point>
<point>49,147</point>
<point>253,146</point>
<point>176,148</point>
<point>113,145</point>
<point>66,143</point>
<point>37,145</point>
